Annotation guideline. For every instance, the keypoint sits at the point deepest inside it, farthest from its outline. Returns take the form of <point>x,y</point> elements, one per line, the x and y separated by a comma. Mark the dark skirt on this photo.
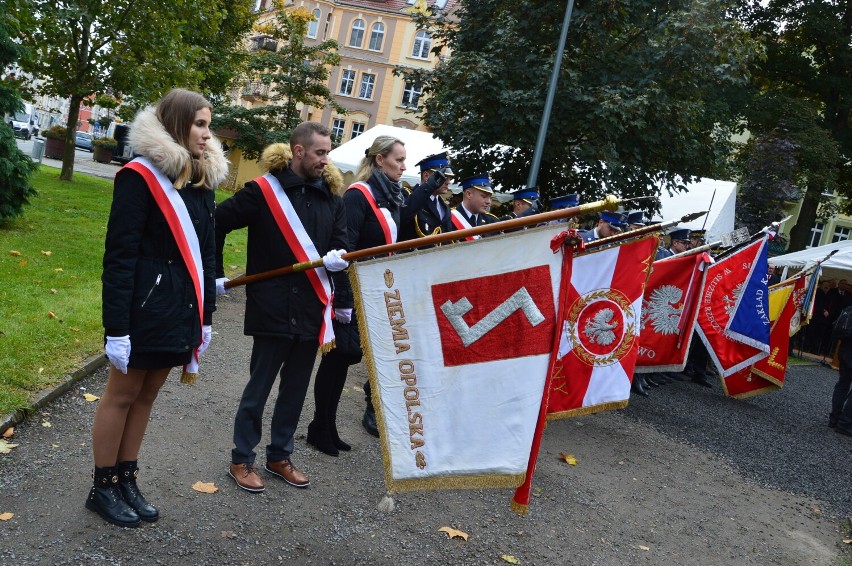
<point>158,360</point>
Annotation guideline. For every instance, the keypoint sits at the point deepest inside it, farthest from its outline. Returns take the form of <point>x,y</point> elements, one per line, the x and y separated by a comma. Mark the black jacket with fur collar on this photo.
<point>283,306</point>
<point>147,290</point>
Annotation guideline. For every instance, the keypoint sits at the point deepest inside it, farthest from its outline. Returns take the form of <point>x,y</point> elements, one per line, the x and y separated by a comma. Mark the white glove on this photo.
<point>206,335</point>
<point>333,261</point>
<point>118,352</point>
<point>343,316</point>
<point>220,285</point>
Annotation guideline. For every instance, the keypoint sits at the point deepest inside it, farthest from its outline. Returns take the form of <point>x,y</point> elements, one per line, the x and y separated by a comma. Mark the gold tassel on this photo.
<point>327,347</point>
<point>188,378</point>
<point>520,508</point>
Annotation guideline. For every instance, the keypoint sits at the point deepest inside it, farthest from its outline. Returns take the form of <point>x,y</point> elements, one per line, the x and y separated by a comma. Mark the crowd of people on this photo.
<point>163,268</point>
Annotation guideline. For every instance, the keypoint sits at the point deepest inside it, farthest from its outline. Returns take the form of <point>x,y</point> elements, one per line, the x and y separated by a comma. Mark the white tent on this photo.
<point>838,265</point>
<point>417,146</point>
<point>697,198</point>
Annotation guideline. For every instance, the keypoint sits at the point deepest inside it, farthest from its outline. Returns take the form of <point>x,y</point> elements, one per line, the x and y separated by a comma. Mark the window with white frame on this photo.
<point>411,94</point>
<point>356,37</point>
<point>337,127</point>
<point>357,129</point>
<point>327,25</point>
<point>840,233</point>
<point>368,81</point>
<point>313,27</point>
<point>422,45</point>
<point>816,234</point>
<point>377,36</point>
<point>347,82</point>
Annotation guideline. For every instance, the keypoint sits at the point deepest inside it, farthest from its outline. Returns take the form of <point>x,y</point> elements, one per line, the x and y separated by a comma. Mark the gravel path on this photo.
<point>686,476</point>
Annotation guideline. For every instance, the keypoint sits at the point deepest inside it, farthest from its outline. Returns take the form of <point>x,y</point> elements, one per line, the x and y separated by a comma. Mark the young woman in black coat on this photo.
<point>377,184</point>
<point>158,295</point>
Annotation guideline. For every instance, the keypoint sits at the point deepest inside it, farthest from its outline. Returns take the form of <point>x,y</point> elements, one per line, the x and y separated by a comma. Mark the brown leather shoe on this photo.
<point>288,472</point>
<point>246,477</point>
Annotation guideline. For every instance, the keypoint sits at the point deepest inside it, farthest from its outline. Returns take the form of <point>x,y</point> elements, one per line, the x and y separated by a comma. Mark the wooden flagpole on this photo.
<point>609,203</point>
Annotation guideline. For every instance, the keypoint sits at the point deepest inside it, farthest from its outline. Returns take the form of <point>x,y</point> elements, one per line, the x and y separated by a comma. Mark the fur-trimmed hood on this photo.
<point>278,155</point>
<point>151,140</point>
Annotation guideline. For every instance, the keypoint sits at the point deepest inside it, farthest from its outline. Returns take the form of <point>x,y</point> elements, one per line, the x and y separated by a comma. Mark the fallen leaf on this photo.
<point>510,559</point>
<point>58,270</point>
<point>6,516</point>
<point>23,263</point>
<point>6,447</point>
<point>9,432</point>
<point>47,253</point>
<point>453,533</point>
<point>40,371</point>
<point>569,458</point>
<point>205,487</point>
<point>228,534</point>
<point>847,541</point>
<point>46,424</point>
<point>89,397</point>
<point>51,314</point>
<point>54,291</point>
<point>641,547</point>
<point>54,446</point>
<point>73,329</point>
<point>15,253</point>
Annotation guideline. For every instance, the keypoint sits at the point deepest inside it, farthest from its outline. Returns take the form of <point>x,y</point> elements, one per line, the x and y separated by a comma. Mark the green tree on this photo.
<point>140,48</point>
<point>15,166</point>
<point>803,86</point>
<point>284,73</point>
<point>641,99</point>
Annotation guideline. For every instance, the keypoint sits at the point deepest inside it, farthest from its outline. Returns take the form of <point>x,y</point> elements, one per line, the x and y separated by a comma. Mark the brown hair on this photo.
<point>303,134</point>
<point>176,112</point>
<point>382,145</point>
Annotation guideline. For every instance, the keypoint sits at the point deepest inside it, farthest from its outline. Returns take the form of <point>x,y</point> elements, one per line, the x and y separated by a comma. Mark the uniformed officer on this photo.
<point>635,219</point>
<point>609,224</point>
<point>434,217</point>
<point>476,200</point>
<point>565,201</point>
<point>679,242</point>
<point>697,238</point>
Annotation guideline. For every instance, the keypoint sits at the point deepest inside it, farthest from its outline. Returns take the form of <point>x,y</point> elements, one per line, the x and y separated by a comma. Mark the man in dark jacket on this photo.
<point>434,216</point>
<point>292,215</point>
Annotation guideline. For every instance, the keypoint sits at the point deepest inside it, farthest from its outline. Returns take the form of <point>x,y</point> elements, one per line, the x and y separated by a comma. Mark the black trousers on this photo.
<point>294,360</point>
<point>841,400</point>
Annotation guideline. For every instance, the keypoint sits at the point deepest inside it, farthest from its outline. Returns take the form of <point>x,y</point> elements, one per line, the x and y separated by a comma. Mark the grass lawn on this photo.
<point>50,297</point>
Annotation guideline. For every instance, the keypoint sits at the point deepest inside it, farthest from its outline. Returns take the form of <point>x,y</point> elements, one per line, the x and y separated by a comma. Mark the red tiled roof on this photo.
<point>395,5</point>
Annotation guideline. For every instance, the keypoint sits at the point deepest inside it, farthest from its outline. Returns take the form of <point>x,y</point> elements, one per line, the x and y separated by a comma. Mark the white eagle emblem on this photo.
<point>730,302</point>
<point>599,329</point>
<point>660,311</point>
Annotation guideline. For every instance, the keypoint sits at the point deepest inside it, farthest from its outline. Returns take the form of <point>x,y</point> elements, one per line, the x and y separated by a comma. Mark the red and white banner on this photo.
<point>724,283</point>
<point>457,354</point>
<point>669,310</point>
<point>598,343</point>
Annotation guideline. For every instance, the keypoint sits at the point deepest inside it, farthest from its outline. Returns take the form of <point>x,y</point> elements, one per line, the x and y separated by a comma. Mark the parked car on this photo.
<point>83,140</point>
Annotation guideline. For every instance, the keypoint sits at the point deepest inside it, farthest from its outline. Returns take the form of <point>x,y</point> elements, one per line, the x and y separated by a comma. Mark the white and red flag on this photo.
<point>669,310</point>
<point>725,282</point>
<point>601,317</point>
<point>457,346</point>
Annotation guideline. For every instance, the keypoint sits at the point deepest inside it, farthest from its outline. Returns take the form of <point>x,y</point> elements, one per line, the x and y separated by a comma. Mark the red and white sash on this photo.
<point>383,215</point>
<point>177,216</point>
<point>461,223</point>
<point>303,248</point>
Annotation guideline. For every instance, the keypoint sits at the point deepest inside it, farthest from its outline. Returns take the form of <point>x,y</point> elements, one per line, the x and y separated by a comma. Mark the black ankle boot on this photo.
<point>105,499</point>
<point>127,473</point>
<point>319,437</point>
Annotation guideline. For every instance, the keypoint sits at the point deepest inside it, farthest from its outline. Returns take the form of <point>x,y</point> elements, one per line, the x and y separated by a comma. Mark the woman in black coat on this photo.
<point>376,209</point>
<point>158,294</point>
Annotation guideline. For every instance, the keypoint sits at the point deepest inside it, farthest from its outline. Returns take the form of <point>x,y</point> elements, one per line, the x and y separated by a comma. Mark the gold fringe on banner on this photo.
<point>327,347</point>
<point>579,412</point>
<point>519,508</point>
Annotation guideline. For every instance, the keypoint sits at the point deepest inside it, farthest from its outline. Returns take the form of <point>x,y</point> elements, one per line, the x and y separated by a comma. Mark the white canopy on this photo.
<point>697,198</point>
<point>417,146</point>
<point>837,266</point>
